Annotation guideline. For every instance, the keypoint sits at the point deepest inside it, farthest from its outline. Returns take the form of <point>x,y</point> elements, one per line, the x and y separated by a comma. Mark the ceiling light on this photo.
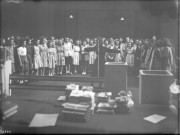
<point>71,16</point>
<point>122,19</point>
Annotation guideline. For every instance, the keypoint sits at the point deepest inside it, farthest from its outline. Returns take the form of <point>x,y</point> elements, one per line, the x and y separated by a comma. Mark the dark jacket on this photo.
<point>101,57</point>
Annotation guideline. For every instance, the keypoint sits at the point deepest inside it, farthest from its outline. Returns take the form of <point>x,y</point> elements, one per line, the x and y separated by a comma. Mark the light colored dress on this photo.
<point>118,57</point>
<point>92,57</point>
<point>51,57</point>
<point>130,57</point>
<point>76,55</point>
<point>37,58</point>
<point>68,49</point>
<point>123,49</point>
<point>10,53</point>
<point>60,55</point>
<point>43,54</point>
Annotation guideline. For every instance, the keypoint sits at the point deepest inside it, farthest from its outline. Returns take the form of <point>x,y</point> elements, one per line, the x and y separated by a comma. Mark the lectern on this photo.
<point>154,86</point>
<point>115,77</point>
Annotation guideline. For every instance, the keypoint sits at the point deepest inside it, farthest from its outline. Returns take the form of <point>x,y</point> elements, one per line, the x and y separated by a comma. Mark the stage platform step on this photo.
<point>45,87</point>
<point>57,78</point>
<point>53,82</point>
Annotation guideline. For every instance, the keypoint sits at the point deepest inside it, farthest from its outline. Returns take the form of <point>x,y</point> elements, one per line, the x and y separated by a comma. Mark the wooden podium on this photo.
<point>154,86</point>
<point>115,77</point>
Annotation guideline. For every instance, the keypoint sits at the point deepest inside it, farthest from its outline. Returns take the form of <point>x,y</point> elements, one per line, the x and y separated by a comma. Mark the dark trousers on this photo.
<point>25,65</point>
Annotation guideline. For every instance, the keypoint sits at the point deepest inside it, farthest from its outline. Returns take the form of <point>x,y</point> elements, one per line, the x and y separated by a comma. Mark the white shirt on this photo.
<point>83,47</point>
<point>22,51</point>
<point>122,47</point>
<point>67,49</point>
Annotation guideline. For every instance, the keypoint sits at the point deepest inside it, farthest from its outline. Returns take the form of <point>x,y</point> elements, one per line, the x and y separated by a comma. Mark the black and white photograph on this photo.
<point>89,66</point>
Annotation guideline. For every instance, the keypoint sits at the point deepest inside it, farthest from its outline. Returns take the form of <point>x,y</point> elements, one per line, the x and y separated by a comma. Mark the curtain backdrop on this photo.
<point>91,18</point>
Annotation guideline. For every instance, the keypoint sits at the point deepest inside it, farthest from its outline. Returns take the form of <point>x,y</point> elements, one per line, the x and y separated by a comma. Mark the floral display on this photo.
<point>174,97</point>
<point>124,102</point>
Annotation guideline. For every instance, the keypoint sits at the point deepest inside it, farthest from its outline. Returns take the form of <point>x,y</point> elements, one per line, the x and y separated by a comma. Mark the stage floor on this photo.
<point>31,102</point>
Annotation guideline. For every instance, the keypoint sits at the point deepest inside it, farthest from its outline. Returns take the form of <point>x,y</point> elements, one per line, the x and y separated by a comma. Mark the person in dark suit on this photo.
<point>16,57</point>
<point>137,56</point>
<point>30,55</point>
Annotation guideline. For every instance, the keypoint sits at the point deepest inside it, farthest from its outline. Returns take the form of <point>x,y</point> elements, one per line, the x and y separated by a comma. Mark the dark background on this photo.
<point>143,19</point>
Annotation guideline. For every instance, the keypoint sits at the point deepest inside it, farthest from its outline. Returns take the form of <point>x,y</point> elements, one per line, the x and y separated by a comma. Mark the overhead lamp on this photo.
<point>177,3</point>
<point>122,19</point>
<point>71,17</point>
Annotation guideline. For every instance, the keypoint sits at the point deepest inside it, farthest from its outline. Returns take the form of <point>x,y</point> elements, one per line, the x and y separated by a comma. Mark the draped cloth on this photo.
<point>130,57</point>
<point>163,56</point>
<point>148,57</point>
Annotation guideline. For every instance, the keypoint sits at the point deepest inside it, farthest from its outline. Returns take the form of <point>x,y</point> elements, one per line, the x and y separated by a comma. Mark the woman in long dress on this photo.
<point>37,58</point>
<point>92,56</point>
<point>76,49</point>
<point>51,58</point>
<point>130,56</point>
<point>10,52</point>
<point>68,55</point>
<point>122,50</point>
<point>43,52</point>
<point>60,56</point>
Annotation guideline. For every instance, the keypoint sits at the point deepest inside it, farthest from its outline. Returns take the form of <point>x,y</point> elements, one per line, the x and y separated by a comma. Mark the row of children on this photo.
<point>49,57</point>
<point>57,56</point>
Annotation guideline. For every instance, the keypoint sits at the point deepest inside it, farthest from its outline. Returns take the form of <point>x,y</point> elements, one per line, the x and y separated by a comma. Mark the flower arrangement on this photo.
<point>174,97</point>
<point>125,93</point>
<point>124,102</point>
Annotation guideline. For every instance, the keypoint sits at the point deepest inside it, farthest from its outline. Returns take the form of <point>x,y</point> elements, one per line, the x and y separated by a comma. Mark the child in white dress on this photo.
<point>37,58</point>
<point>60,56</point>
<point>76,49</point>
<point>92,55</point>
<point>43,54</point>
<point>51,58</point>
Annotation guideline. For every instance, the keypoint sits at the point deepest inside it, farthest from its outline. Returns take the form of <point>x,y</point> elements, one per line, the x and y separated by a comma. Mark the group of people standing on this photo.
<point>48,57</point>
<point>150,54</point>
<point>57,56</point>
